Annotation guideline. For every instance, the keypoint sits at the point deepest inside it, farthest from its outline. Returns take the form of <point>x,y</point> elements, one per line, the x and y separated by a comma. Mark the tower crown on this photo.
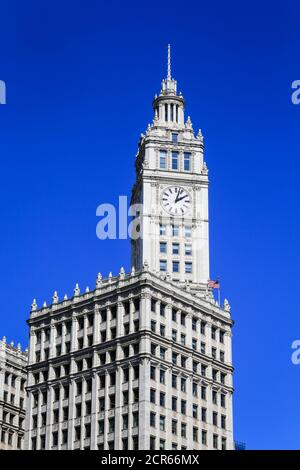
<point>169,106</point>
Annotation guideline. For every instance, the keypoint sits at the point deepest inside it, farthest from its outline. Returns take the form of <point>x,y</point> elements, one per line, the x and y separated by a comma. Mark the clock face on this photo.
<point>176,200</point>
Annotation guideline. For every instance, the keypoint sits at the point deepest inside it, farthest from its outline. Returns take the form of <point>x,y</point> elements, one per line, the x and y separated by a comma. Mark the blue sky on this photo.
<point>80,79</point>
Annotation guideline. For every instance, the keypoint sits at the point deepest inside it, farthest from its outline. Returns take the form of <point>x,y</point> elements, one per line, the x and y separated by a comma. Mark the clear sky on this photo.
<point>81,76</point>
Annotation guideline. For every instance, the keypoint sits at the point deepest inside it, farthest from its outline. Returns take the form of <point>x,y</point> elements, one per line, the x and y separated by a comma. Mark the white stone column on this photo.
<point>130,401</point>
<point>94,423</point>
<point>52,340</point>
<point>32,345</point>
<point>85,328</point>
<point>96,338</point>
<point>131,312</point>
<point>74,330</point>
<point>120,316</point>
<point>49,412</point>
<point>63,339</point>
<point>118,409</point>
<point>42,348</point>
<point>144,391</point>
<point>106,411</point>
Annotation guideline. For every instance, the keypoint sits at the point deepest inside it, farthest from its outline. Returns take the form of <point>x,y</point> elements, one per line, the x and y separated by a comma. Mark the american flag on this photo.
<point>214,284</point>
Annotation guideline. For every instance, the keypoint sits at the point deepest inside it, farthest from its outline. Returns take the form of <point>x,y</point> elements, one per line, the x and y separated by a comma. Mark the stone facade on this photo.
<point>13,376</point>
<point>144,360</point>
<point>138,363</point>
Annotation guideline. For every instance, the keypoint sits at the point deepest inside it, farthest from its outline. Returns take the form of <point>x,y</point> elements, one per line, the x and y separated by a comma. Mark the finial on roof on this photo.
<point>12,344</point>
<point>76,290</point>
<point>99,280</point>
<point>132,271</point>
<point>87,290</point>
<point>122,273</point>
<point>19,347</point>
<point>34,306</point>
<point>45,304</point>
<point>169,62</point>
<point>110,277</point>
<point>55,298</point>
<point>65,297</point>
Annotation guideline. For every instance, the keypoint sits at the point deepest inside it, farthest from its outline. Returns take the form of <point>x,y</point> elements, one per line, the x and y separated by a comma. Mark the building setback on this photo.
<point>13,362</point>
<point>143,361</point>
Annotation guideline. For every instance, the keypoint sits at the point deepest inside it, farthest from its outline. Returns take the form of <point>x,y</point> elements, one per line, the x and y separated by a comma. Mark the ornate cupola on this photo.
<point>169,106</point>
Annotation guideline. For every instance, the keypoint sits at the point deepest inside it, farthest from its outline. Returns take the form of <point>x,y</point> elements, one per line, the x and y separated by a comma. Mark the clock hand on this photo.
<point>181,198</point>
<point>178,194</point>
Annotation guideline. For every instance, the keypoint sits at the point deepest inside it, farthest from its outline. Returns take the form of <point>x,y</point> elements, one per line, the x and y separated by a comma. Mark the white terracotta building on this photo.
<point>144,360</point>
<point>13,362</point>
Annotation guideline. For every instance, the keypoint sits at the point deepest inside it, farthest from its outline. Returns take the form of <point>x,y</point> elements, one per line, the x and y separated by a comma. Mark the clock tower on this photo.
<point>171,194</point>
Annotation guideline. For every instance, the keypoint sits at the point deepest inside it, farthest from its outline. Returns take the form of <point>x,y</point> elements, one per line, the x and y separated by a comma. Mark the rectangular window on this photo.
<point>174,381</point>
<point>188,231</point>
<point>135,419</point>
<point>204,438</point>
<point>175,230</point>
<point>174,160</point>
<point>162,399</point>
<point>223,421</point>
<point>163,265</point>
<point>175,265</point>
<point>175,248</point>
<point>188,249</point>
<point>183,430</point>
<point>187,161</point>
<point>174,335</point>
<point>174,315</point>
<point>162,229</point>
<point>162,353</point>
<point>174,137</point>
<point>163,247</point>
<point>174,426</point>
<point>152,419</point>
<point>188,267</point>
<point>223,400</point>
<point>162,421</point>
<point>163,159</point>
<point>221,336</point>
<point>174,403</point>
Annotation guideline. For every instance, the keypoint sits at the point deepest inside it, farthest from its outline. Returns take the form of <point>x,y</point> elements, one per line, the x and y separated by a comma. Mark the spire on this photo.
<point>169,62</point>
<point>169,85</point>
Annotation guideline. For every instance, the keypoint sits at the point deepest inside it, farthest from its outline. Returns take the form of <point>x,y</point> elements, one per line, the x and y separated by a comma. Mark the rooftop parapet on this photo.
<point>203,293</point>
